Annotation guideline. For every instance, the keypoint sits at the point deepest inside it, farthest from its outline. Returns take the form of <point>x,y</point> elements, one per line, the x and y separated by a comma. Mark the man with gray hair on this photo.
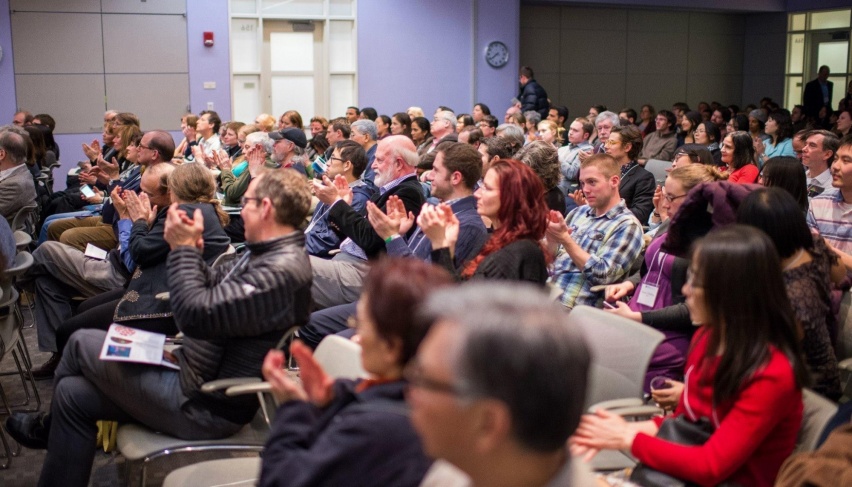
<point>17,188</point>
<point>365,133</point>
<point>443,124</point>
<point>513,134</point>
<point>338,281</point>
<point>498,385</point>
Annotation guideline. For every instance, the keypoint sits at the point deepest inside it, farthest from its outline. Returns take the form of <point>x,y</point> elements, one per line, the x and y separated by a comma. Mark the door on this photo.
<point>291,68</point>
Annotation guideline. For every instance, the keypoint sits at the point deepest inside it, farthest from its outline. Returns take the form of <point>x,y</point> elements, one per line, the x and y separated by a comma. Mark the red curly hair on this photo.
<point>523,210</point>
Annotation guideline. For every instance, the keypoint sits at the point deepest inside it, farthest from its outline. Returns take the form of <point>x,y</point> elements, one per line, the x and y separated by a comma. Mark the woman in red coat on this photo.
<point>744,372</point>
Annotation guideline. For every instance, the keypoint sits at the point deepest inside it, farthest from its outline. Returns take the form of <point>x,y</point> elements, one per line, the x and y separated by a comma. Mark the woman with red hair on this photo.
<point>512,198</point>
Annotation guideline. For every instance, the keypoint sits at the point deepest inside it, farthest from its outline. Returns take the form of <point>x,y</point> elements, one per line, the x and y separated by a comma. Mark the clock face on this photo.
<point>497,54</point>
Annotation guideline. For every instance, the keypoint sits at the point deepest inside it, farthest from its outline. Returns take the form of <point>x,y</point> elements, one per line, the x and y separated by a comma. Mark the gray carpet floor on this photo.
<point>108,469</point>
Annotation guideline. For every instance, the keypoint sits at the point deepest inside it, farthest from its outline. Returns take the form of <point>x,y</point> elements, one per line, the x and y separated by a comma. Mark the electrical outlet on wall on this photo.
<point>210,105</point>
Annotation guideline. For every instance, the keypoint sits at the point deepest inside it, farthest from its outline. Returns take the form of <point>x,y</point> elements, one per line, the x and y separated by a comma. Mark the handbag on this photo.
<point>678,430</point>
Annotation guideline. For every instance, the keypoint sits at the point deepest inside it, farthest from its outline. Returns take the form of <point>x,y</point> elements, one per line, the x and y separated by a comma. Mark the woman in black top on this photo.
<point>511,197</point>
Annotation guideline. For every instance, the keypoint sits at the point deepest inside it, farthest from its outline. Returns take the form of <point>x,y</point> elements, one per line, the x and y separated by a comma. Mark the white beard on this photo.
<point>382,178</point>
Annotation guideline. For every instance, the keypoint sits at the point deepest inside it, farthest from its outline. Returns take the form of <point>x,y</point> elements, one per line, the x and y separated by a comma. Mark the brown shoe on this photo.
<point>47,369</point>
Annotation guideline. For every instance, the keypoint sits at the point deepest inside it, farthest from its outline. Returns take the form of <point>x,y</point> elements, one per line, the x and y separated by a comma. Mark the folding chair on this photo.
<point>621,350</point>
<point>339,357</point>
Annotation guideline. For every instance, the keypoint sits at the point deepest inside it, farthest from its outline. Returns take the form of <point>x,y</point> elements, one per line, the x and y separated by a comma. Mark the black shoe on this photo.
<point>48,368</point>
<point>29,429</point>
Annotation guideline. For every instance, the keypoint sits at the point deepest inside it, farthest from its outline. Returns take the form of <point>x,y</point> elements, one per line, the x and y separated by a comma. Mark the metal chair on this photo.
<point>621,350</point>
<point>138,443</point>
<point>658,168</point>
<point>339,357</point>
<point>22,240</point>
<point>23,261</point>
<point>24,218</point>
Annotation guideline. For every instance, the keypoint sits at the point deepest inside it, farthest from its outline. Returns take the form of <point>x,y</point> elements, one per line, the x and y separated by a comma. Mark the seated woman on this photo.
<point>809,268</point>
<point>707,135</point>
<point>779,128</point>
<point>348,432</point>
<point>657,285</point>
<point>193,188</point>
<point>744,363</point>
<point>738,156</point>
<point>786,173</point>
<point>511,197</point>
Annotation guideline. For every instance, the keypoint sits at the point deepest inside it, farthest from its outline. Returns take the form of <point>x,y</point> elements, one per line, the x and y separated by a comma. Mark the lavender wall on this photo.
<point>424,53</point>
<point>715,5</point>
<point>7,68</point>
<point>205,64</point>
<point>209,63</point>
<point>497,20</point>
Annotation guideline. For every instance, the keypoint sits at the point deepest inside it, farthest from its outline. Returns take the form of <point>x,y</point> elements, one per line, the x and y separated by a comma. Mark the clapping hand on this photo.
<point>89,177</point>
<point>316,385</point>
<point>395,208</point>
<point>658,202</point>
<point>119,203</point>
<point>557,230</point>
<point>578,197</point>
<point>139,207</point>
<point>328,191</point>
<point>256,157</point>
<point>109,170</point>
<point>440,225</point>
<point>92,151</point>
<point>181,230</point>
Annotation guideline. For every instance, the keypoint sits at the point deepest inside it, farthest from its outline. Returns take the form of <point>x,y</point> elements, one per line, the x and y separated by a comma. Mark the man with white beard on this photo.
<point>338,281</point>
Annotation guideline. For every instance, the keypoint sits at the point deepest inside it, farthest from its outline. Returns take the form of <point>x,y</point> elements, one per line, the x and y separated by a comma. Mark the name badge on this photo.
<point>647,295</point>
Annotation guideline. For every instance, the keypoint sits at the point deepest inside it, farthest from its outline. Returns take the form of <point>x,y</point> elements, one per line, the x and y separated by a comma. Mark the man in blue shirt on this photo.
<point>348,160</point>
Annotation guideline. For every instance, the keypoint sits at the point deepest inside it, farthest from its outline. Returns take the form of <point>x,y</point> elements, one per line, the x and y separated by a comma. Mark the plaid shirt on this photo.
<point>350,247</point>
<point>613,240</point>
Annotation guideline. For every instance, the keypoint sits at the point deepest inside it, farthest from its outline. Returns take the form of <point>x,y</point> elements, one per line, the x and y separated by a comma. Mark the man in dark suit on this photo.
<point>338,281</point>
<point>818,93</point>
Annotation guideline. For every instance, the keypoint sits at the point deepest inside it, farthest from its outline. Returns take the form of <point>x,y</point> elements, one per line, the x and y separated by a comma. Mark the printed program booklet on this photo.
<point>125,344</point>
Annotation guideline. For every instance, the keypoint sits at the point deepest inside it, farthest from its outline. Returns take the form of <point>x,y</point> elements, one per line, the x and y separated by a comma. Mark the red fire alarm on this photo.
<point>208,39</point>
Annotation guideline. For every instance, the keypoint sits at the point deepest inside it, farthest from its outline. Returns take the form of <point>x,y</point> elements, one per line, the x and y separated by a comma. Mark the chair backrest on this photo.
<point>621,350</point>
<point>340,358</point>
<point>658,168</point>
<point>23,217</point>
<point>817,412</point>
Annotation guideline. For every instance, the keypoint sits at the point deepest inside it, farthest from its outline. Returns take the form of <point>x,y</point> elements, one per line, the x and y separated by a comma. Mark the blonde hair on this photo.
<point>194,183</point>
<point>557,131</point>
<point>414,112</point>
<point>607,164</point>
<point>692,175</point>
<point>265,122</point>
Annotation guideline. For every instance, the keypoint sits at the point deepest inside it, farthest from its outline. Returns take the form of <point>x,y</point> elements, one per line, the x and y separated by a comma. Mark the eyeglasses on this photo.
<point>246,199</point>
<point>332,158</point>
<point>671,199</point>
<point>612,142</point>
<point>690,278</point>
<point>413,373</point>
<point>144,147</point>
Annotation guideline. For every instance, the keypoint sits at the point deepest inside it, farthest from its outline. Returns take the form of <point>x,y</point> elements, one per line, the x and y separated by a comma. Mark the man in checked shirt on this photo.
<point>596,243</point>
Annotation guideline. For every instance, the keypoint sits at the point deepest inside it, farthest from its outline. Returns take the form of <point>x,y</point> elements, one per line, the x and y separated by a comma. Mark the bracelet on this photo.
<point>656,214</point>
<point>391,238</point>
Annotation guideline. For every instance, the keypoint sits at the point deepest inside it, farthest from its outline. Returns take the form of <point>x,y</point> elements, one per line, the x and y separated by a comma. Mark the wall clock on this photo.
<point>497,54</point>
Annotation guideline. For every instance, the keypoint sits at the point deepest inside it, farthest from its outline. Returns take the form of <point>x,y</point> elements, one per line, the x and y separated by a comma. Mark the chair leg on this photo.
<point>5,401</point>
<point>29,373</point>
<point>8,463</point>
